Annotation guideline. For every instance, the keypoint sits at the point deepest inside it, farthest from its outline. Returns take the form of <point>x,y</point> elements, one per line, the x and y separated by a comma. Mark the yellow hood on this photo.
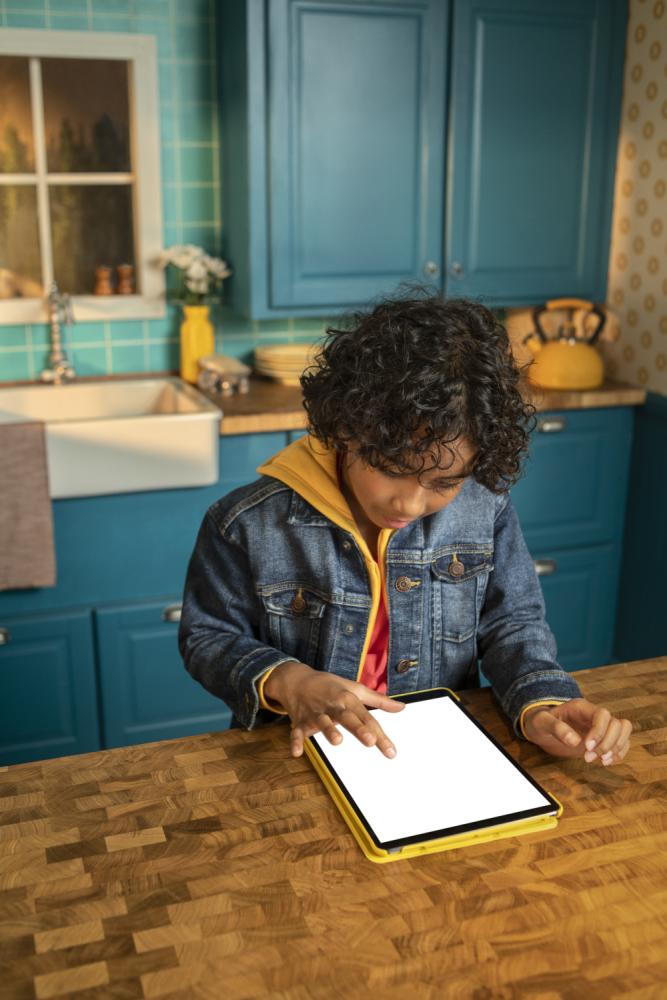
<point>310,470</point>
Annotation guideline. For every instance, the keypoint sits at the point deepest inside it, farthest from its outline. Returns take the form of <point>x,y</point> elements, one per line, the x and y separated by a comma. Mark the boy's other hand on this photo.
<point>319,702</point>
<point>578,728</point>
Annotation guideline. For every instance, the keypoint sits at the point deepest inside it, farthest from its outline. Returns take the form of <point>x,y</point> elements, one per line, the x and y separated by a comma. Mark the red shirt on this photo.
<point>374,672</point>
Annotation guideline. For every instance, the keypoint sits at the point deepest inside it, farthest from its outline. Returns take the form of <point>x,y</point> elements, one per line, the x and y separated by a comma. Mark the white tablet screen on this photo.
<point>446,774</point>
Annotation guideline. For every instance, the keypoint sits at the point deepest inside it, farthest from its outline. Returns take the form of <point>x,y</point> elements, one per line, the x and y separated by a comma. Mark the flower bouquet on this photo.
<point>201,275</point>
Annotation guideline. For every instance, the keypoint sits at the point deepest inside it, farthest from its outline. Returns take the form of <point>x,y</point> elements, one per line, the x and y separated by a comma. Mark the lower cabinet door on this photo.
<point>48,690</point>
<point>579,588</point>
<point>147,694</point>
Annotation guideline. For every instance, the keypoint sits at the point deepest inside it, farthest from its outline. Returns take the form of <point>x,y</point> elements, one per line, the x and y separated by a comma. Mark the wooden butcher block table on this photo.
<point>217,866</point>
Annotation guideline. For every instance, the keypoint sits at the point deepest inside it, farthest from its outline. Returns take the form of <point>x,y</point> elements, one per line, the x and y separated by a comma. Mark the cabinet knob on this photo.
<point>456,269</point>
<point>172,613</point>
<point>545,567</point>
<point>5,636</point>
<point>431,269</point>
<point>552,425</point>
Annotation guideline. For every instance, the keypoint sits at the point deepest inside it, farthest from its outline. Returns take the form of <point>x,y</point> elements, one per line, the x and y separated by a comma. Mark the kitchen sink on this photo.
<point>120,435</point>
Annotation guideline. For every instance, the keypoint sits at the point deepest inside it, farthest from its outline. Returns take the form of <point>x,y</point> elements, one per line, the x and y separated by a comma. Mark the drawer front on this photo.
<point>146,691</point>
<point>240,454</point>
<point>575,479</point>
<point>48,705</point>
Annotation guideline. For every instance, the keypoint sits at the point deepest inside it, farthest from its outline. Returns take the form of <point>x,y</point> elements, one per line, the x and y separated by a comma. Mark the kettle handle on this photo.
<point>570,303</point>
<point>602,316</point>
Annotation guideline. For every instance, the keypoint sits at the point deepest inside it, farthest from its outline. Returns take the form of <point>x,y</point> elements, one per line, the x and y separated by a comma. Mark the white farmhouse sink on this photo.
<point>120,436</point>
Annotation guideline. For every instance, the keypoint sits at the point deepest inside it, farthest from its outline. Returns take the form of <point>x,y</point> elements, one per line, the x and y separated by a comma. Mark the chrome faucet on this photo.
<point>58,369</point>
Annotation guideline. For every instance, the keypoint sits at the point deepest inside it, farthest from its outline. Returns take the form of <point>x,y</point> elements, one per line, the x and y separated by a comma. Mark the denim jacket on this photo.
<point>274,578</point>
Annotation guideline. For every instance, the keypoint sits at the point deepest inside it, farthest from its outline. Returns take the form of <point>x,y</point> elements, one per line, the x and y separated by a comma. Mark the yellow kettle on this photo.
<point>568,361</point>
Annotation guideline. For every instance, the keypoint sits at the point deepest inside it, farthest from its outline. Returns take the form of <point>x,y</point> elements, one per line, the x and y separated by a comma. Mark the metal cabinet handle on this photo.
<point>431,269</point>
<point>5,636</point>
<point>545,567</point>
<point>172,613</point>
<point>551,425</point>
<point>456,269</point>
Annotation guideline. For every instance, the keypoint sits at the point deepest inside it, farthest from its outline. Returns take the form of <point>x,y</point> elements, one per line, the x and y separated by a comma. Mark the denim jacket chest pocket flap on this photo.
<point>460,574</point>
<point>293,616</point>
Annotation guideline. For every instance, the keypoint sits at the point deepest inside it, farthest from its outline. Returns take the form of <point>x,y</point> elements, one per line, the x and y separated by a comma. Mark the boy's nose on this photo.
<point>409,506</point>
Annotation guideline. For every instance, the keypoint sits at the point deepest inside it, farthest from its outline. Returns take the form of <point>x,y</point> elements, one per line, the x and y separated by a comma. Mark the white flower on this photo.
<point>218,268</point>
<point>197,270</point>
<point>197,285</point>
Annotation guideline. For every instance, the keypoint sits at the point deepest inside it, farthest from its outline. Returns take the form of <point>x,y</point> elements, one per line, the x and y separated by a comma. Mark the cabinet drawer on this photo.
<point>146,691</point>
<point>240,454</point>
<point>48,706</point>
<point>575,478</point>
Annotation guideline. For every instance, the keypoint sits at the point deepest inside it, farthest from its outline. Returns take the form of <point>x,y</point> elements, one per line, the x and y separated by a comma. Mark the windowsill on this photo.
<point>87,309</point>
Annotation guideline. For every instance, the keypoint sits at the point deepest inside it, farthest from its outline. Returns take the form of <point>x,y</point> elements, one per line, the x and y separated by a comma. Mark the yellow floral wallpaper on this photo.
<point>637,290</point>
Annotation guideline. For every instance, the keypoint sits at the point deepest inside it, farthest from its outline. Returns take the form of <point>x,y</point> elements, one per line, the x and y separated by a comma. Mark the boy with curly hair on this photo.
<point>381,554</point>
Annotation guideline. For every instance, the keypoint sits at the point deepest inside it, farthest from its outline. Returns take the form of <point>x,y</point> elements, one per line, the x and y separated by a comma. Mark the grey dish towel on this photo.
<point>27,557</point>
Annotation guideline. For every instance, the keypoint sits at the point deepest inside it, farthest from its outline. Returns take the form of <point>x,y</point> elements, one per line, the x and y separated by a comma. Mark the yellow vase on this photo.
<point>197,340</point>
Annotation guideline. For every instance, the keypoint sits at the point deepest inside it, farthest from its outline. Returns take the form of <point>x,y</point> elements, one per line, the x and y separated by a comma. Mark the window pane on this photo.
<point>20,272</point>
<point>86,113</point>
<point>91,226</point>
<point>17,155</point>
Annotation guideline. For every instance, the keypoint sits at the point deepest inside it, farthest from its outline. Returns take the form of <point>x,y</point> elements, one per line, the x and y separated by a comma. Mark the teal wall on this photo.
<point>191,194</point>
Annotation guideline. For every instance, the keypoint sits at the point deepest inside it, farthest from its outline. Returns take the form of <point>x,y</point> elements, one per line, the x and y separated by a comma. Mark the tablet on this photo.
<point>450,782</point>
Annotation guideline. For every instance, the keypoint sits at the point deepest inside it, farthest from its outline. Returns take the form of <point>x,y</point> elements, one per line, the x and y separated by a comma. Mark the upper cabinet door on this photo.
<point>536,93</point>
<point>356,122</point>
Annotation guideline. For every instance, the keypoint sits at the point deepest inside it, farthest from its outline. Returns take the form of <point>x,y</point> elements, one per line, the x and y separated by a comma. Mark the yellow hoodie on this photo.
<point>310,470</point>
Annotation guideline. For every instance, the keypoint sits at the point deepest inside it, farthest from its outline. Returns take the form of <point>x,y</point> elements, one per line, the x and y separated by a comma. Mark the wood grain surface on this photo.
<point>217,867</point>
<point>270,406</point>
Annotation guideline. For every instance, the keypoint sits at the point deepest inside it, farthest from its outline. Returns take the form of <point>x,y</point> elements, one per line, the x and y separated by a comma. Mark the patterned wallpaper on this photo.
<point>637,290</point>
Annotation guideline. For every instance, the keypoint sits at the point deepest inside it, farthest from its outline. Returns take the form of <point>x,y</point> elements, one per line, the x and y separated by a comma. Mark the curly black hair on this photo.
<point>404,380</point>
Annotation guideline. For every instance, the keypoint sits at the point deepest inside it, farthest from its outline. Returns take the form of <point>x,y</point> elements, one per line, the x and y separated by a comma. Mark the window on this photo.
<point>79,174</point>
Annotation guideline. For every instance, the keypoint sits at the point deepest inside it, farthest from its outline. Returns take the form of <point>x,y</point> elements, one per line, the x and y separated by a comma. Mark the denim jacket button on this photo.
<point>404,665</point>
<point>403,583</point>
<point>299,603</point>
<point>347,545</point>
<point>456,568</point>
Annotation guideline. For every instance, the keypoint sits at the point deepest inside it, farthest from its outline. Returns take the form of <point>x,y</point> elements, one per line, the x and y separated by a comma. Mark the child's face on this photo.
<point>389,501</point>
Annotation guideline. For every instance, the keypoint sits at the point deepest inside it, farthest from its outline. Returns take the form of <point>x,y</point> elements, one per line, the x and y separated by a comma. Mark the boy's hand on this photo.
<point>578,728</point>
<point>317,701</point>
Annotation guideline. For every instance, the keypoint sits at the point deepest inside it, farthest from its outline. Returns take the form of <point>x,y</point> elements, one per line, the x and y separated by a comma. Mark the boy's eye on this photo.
<point>446,485</point>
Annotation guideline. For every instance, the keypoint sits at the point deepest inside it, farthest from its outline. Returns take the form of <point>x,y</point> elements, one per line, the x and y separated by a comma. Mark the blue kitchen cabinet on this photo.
<point>571,505</point>
<point>48,693</point>
<point>533,124</point>
<point>241,454</point>
<point>146,692</point>
<point>121,561</point>
<point>333,152</point>
<point>468,145</point>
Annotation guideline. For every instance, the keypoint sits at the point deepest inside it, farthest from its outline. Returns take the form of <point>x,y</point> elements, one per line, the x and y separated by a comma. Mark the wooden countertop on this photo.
<point>217,866</point>
<point>270,406</point>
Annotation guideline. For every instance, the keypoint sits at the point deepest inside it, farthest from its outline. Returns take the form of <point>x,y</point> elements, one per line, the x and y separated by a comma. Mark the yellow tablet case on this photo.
<point>373,853</point>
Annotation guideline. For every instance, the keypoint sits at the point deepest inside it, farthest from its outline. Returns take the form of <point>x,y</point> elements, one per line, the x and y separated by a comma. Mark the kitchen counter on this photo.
<point>217,866</point>
<point>270,406</point>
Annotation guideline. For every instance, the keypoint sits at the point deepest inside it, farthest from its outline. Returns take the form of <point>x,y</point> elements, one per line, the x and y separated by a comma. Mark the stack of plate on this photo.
<point>284,362</point>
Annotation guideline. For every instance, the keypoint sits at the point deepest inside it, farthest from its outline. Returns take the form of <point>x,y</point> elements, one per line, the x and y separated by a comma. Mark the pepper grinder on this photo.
<point>125,279</point>
<point>103,280</point>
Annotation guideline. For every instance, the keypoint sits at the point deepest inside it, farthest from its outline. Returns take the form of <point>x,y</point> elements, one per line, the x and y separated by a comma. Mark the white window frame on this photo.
<point>141,54</point>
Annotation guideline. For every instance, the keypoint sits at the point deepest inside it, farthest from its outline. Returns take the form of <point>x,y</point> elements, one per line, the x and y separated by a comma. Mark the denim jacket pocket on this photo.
<point>460,575</point>
<point>294,615</point>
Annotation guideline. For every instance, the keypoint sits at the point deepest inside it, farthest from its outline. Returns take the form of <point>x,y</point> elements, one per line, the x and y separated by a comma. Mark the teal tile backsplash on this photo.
<point>185,34</point>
